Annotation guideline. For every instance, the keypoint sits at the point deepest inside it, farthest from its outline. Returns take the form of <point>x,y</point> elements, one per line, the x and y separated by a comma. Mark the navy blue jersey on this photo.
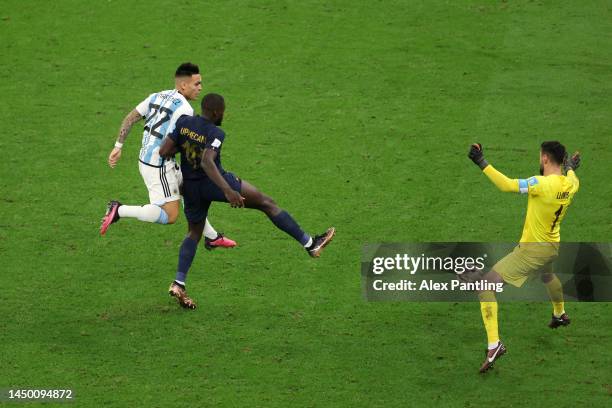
<point>192,135</point>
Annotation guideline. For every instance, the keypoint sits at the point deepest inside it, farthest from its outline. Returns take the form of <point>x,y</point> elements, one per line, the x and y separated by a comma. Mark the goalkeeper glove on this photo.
<point>571,163</point>
<point>476,156</point>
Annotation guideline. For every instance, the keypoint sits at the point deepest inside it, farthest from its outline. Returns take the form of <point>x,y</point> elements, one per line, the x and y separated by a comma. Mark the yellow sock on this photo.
<point>488,308</point>
<point>555,291</point>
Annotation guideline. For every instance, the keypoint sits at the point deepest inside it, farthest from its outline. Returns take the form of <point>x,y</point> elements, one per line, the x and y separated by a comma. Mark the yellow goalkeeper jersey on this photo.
<point>549,197</point>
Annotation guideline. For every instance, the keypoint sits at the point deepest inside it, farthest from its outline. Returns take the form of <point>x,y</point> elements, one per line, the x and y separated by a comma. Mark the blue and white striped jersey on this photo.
<point>160,110</point>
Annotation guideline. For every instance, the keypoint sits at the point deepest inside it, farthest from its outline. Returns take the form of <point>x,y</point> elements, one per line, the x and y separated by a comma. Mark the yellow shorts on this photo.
<point>526,261</point>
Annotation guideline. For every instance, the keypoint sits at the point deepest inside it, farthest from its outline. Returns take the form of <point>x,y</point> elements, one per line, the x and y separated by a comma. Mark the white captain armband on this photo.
<point>216,143</point>
<point>118,145</point>
<point>524,184</point>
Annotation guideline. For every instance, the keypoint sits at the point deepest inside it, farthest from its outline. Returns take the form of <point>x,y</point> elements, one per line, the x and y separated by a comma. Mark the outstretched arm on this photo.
<point>502,182</point>
<point>499,179</point>
<point>208,164</point>
<point>131,118</point>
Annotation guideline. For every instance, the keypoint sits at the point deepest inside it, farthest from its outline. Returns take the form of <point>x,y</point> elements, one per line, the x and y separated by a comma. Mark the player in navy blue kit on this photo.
<point>199,140</point>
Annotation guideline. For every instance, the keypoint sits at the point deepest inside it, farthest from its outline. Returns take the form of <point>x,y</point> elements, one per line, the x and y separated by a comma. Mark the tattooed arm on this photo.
<point>126,125</point>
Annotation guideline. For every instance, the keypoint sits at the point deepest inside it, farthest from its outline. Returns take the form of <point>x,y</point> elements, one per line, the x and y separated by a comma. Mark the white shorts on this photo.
<point>162,182</point>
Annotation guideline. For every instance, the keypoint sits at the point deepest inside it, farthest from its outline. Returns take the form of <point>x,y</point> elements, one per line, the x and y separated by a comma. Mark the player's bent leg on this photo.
<point>162,184</point>
<point>253,198</point>
<point>146,213</point>
<point>172,209</point>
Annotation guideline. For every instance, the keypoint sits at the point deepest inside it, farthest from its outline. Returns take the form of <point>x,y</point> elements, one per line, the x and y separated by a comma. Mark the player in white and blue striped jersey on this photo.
<point>162,177</point>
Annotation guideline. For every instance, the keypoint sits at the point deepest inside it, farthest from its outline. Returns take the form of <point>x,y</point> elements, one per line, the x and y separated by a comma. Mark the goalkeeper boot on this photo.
<point>178,292</point>
<point>562,320</point>
<point>492,356</point>
<point>319,242</point>
<point>111,216</point>
<point>220,242</point>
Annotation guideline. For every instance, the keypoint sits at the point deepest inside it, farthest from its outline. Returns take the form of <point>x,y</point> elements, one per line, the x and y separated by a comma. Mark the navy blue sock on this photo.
<point>186,255</point>
<point>285,222</point>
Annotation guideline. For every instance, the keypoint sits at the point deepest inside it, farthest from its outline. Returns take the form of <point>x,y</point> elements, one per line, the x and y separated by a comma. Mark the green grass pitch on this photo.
<point>356,114</point>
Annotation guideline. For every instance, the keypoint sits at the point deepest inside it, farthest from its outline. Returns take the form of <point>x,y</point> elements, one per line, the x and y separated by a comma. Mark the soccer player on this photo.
<point>200,140</point>
<point>162,176</point>
<point>549,195</point>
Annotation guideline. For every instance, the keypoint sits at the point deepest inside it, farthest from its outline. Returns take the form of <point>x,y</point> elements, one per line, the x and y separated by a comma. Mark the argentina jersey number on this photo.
<point>158,116</point>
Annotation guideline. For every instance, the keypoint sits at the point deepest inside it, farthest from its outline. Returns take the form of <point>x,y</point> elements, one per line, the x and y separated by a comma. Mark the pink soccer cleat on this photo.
<point>111,216</point>
<point>220,242</point>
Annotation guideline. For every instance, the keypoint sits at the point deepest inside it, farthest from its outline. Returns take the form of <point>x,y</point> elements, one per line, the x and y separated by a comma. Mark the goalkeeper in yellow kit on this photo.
<point>550,194</point>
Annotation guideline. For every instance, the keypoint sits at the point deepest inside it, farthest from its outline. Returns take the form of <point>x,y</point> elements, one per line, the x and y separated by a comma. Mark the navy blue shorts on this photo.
<point>198,194</point>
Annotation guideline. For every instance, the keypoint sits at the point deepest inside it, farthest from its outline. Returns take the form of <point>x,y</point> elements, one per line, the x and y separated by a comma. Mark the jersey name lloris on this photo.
<point>549,197</point>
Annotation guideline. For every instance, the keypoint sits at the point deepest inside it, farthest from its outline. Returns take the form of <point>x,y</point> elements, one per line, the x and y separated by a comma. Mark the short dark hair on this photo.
<point>554,150</point>
<point>212,102</point>
<point>186,69</point>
